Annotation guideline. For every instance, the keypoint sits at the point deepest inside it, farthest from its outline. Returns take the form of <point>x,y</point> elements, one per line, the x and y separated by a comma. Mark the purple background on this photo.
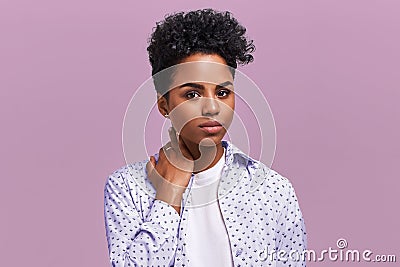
<point>329,69</point>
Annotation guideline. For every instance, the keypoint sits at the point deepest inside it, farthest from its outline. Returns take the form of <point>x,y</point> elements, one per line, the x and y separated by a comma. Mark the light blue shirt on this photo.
<point>259,207</point>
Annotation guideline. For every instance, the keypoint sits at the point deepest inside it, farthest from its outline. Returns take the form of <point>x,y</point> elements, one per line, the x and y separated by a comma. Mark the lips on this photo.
<point>211,127</point>
<point>210,124</point>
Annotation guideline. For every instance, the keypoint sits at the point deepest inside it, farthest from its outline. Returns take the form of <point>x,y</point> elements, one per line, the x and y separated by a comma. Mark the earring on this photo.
<point>166,116</point>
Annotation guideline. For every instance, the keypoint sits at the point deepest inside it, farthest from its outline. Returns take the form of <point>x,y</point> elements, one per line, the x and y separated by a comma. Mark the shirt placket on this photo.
<point>229,180</point>
<point>225,209</point>
<point>180,257</point>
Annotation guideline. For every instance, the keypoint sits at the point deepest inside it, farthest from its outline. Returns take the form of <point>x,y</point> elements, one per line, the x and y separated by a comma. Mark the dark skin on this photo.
<point>191,105</point>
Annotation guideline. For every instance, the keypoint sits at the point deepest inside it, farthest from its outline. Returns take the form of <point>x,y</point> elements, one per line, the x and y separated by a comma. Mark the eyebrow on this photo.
<point>200,86</point>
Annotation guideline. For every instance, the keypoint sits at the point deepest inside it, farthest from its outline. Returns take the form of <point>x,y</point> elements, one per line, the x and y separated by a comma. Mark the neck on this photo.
<point>205,156</point>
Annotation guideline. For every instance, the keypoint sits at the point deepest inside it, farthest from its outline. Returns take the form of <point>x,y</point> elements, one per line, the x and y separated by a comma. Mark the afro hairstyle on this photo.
<point>205,31</point>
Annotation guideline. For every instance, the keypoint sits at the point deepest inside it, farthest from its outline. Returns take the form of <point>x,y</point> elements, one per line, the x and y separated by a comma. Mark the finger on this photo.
<point>174,140</point>
<point>166,147</point>
<point>178,144</point>
<point>152,172</point>
<point>181,158</point>
<point>184,149</point>
<point>167,153</point>
<point>150,165</point>
<point>161,154</point>
<point>153,161</point>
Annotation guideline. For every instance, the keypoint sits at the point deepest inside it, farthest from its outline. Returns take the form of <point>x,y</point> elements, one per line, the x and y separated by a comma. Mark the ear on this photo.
<point>162,104</point>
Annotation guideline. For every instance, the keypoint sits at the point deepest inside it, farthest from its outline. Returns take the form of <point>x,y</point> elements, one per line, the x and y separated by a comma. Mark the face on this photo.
<point>201,102</point>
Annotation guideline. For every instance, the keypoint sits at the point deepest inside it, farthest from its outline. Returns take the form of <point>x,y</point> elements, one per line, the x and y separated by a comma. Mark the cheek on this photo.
<point>182,114</point>
<point>227,112</point>
<point>189,129</point>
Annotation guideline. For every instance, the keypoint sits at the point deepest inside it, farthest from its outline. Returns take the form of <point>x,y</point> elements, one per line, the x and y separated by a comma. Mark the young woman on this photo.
<point>198,207</point>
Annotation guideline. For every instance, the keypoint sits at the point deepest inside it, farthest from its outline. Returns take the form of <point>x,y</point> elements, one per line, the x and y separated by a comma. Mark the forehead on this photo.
<point>201,72</point>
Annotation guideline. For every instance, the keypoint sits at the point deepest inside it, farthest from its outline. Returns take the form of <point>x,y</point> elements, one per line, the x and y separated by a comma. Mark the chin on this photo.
<point>214,141</point>
<point>207,140</point>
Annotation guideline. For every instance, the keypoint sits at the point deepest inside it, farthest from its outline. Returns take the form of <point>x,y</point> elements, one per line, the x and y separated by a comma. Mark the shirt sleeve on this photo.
<point>134,240</point>
<point>291,234</point>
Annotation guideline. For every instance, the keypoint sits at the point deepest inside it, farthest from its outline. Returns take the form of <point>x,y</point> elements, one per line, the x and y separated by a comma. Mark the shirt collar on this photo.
<point>233,152</point>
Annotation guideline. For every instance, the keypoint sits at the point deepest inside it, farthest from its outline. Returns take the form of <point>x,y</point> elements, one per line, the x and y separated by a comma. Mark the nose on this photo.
<point>210,107</point>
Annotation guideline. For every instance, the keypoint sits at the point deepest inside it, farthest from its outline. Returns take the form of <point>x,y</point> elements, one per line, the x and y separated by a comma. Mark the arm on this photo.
<point>133,240</point>
<point>291,234</point>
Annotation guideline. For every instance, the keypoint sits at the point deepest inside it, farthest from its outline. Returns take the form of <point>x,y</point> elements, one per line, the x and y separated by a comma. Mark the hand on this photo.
<point>171,174</point>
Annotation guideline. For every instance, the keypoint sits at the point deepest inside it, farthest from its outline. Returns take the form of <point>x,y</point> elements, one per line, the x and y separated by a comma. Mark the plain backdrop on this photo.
<point>329,69</point>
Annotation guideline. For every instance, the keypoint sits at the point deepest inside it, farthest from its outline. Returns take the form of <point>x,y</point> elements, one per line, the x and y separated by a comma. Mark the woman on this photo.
<point>201,209</point>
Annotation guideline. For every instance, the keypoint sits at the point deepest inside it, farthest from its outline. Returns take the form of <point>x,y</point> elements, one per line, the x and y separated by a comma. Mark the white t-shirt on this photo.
<point>207,240</point>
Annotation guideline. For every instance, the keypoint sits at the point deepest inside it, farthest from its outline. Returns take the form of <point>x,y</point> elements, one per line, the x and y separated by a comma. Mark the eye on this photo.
<point>192,94</point>
<point>223,93</point>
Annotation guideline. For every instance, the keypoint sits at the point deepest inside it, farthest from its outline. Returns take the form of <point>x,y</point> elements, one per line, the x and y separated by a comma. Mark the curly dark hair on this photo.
<point>201,31</point>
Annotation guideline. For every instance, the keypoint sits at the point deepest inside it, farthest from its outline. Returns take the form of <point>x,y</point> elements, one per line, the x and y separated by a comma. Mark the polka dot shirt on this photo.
<point>259,207</point>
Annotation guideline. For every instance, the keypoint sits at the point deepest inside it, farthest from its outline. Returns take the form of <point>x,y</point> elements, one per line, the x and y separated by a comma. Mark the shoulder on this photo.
<point>261,175</point>
<point>270,180</point>
<point>130,177</point>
